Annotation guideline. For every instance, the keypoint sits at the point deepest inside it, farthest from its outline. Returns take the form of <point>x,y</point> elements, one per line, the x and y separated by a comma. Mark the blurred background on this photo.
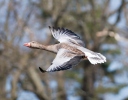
<point>102,25</point>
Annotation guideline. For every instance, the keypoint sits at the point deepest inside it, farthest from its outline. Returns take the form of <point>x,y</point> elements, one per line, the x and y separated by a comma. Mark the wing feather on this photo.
<point>64,60</point>
<point>66,36</point>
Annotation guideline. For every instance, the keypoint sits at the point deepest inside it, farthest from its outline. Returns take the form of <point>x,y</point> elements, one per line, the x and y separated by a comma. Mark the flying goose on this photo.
<point>70,51</point>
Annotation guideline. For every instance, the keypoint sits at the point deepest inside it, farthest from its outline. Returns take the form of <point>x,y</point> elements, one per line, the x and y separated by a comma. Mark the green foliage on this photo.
<point>74,75</point>
<point>45,14</point>
<point>126,99</point>
<point>110,40</point>
<point>112,51</point>
<point>113,89</point>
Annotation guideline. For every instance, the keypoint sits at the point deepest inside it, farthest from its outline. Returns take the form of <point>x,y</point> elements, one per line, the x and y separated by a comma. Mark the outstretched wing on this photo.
<point>66,36</point>
<point>63,61</point>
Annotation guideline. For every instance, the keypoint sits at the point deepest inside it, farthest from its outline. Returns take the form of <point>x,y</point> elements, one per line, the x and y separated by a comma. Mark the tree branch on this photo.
<point>40,90</point>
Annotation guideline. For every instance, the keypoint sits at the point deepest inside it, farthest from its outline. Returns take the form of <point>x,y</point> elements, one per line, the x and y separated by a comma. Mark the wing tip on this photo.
<point>42,70</point>
<point>49,27</point>
<point>55,28</point>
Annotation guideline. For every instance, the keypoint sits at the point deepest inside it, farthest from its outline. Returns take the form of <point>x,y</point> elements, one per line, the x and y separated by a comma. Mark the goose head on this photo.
<point>32,44</point>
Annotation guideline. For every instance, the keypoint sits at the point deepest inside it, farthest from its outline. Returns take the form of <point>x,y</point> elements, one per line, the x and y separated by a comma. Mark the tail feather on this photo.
<point>96,58</point>
<point>93,57</point>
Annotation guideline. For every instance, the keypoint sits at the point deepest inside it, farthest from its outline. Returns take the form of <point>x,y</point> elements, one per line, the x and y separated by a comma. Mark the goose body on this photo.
<point>70,51</point>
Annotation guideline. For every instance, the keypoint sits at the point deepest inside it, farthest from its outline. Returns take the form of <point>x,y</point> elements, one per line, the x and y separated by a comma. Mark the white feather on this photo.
<point>64,35</point>
<point>59,60</point>
<point>93,57</point>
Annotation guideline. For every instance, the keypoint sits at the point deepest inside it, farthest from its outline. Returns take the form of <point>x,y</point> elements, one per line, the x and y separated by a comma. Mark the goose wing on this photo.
<point>64,60</point>
<point>66,36</point>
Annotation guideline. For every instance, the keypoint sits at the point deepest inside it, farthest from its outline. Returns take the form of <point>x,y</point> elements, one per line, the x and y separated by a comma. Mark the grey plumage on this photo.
<point>70,51</point>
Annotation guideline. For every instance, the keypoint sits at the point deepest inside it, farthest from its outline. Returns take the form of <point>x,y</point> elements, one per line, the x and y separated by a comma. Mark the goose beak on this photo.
<point>27,44</point>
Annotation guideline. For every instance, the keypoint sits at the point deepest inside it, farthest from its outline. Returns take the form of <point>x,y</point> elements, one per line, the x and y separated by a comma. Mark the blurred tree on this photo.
<point>89,18</point>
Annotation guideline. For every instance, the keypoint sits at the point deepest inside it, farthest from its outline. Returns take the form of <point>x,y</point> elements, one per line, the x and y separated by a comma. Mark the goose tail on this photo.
<point>93,57</point>
<point>96,58</point>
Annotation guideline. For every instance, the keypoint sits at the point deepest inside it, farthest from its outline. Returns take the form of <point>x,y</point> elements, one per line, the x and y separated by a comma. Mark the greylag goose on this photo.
<point>70,51</point>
